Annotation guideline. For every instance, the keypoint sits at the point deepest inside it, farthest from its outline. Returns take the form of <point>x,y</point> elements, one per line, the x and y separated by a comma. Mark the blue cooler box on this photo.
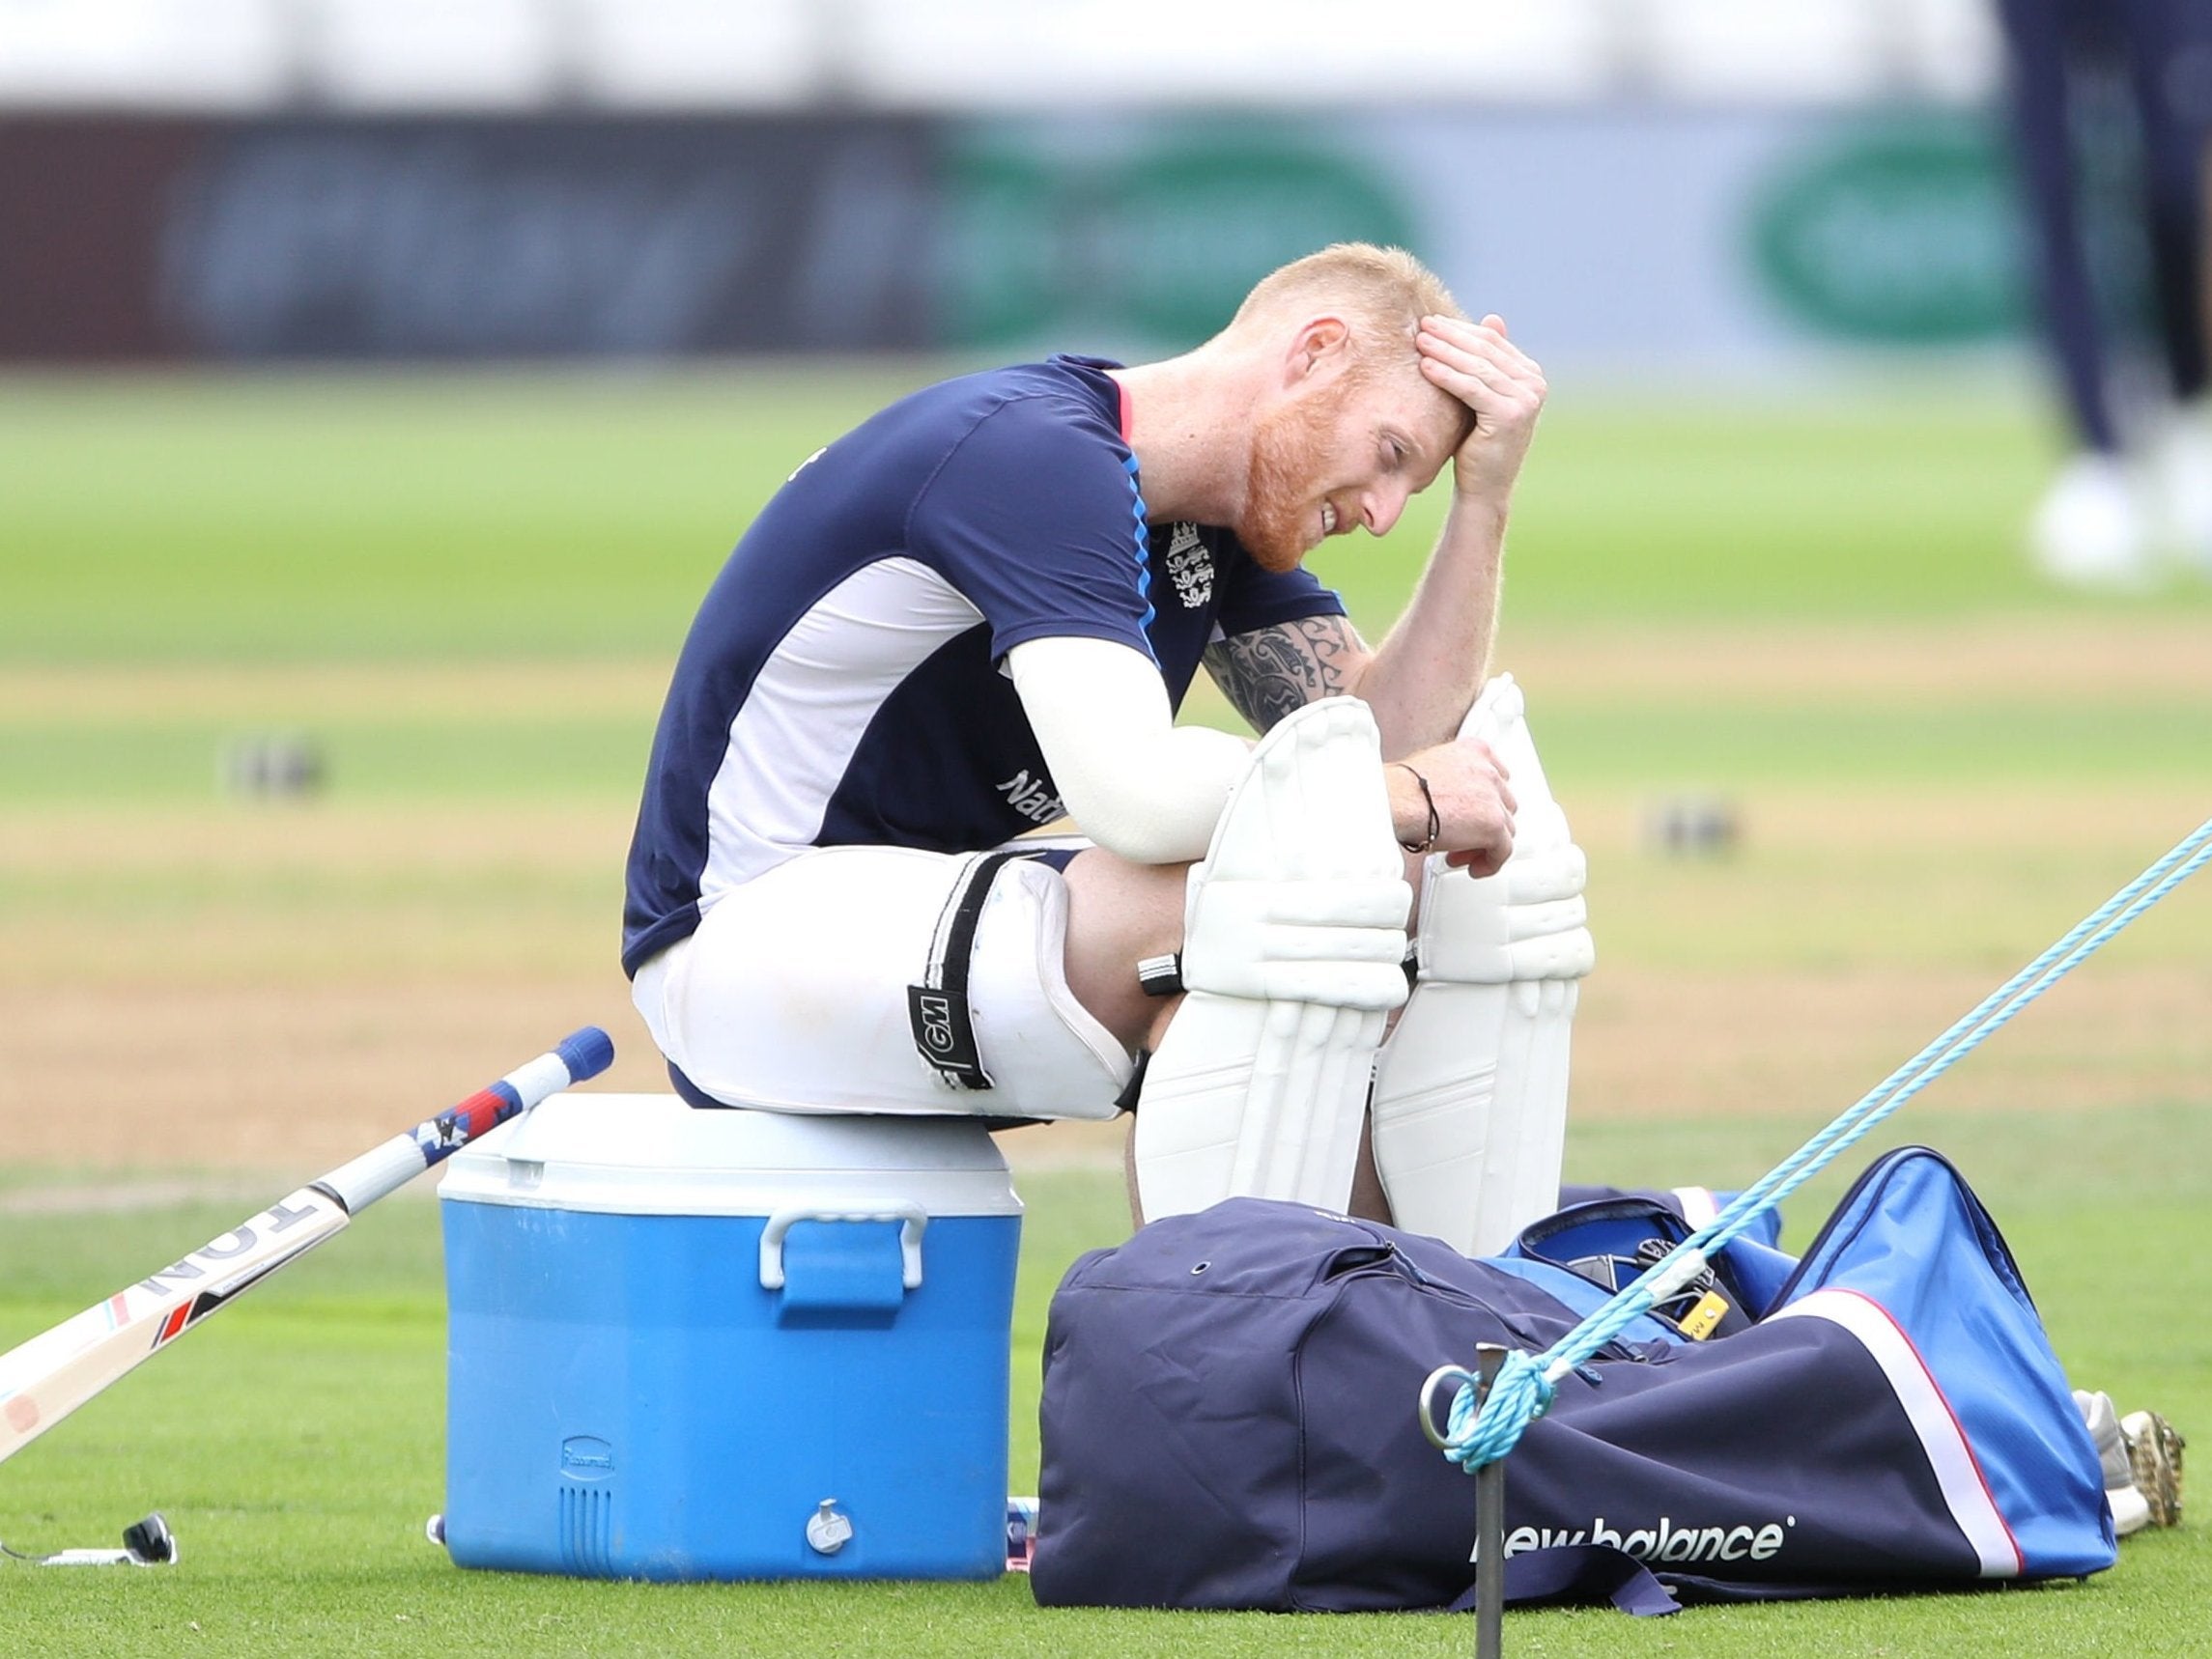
<point>690,1345</point>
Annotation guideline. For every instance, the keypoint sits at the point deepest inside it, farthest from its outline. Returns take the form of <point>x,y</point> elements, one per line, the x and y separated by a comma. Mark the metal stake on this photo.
<point>1490,1524</point>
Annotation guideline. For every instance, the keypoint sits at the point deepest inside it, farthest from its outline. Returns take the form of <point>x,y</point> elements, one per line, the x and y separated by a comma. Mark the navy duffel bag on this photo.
<point>1228,1417</point>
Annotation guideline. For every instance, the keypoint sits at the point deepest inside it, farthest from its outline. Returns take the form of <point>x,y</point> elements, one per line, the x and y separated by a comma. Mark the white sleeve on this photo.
<point>1132,780</point>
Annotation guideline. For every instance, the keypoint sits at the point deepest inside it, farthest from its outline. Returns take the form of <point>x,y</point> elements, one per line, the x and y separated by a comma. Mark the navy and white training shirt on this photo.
<point>841,684</point>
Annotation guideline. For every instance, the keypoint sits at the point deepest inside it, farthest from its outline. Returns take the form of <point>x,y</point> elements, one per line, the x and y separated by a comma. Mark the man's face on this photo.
<point>1345,453</point>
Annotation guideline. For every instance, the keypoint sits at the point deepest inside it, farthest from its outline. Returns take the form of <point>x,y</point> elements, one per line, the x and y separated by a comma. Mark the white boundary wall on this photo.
<point>1001,55</point>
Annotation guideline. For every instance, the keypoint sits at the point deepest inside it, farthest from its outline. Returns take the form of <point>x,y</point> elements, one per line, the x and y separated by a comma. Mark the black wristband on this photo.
<point>1435,823</point>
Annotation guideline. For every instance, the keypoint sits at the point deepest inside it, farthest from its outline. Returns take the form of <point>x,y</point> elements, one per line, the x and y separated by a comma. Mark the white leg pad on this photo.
<point>1294,944</point>
<point>1470,1095</point>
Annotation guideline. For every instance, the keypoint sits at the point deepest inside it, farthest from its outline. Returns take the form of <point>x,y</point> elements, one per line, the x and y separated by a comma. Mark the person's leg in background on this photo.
<point>2089,528</point>
<point>2170,72</point>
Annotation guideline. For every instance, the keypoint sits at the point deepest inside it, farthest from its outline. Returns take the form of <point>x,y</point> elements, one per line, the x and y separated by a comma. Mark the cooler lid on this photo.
<point>654,1155</point>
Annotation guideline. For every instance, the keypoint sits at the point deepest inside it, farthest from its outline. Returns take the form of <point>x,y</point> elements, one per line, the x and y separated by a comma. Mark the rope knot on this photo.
<point>1520,1395</point>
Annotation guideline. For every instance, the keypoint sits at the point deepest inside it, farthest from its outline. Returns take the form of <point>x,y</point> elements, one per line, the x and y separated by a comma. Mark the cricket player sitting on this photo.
<point>977,613</point>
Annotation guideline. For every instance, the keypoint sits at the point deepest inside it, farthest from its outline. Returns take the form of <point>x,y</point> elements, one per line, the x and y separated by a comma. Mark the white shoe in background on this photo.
<point>2131,1510</point>
<point>2182,464</point>
<point>2091,529</point>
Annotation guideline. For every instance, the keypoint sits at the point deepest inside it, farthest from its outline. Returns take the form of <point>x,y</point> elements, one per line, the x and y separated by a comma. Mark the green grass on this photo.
<point>523,517</point>
<point>372,517</point>
<point>534,514</point>
<point>1709,508</point>
<point>1726,746</point>
<point>530,517</point>
<point>463,757</point>
<point>295,1445</point>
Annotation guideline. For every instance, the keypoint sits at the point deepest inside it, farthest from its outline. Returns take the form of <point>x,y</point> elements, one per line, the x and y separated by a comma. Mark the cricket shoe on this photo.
<point>2154,1449</point>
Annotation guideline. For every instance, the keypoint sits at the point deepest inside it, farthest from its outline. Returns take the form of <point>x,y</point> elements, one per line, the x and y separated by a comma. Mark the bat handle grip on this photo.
<point>585,1053</point>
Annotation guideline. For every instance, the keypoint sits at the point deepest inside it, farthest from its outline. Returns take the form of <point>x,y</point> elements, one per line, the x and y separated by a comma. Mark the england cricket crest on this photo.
<point>1190,565</point>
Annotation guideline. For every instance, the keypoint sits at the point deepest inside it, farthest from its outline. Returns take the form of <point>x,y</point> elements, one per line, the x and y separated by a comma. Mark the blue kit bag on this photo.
<point>1228,1416</point>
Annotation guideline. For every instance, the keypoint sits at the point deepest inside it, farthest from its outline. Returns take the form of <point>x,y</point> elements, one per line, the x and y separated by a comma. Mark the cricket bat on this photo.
<point>53,1373</point>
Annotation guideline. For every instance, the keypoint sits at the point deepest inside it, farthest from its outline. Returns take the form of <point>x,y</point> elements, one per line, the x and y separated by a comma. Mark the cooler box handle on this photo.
<point>912,1218</point>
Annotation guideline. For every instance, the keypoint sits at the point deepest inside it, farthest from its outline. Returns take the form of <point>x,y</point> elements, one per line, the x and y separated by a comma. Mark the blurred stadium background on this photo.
<point>1752,188</point>
<point>383,380</point>
<point>260,55</point>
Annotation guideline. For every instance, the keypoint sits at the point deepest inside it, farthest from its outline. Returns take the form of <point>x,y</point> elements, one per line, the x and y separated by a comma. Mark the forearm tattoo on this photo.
<point>1271,672</point>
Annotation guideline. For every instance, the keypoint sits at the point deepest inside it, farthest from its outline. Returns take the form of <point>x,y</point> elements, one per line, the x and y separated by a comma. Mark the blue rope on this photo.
<point>1483,1430</point>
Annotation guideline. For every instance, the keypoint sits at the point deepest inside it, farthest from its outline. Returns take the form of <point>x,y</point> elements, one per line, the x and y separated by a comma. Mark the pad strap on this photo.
<point>1161,975</point>
<point>937,1008</point>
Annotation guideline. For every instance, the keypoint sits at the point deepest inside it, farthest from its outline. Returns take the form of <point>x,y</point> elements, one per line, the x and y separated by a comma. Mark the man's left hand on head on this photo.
<point>1476,363</point>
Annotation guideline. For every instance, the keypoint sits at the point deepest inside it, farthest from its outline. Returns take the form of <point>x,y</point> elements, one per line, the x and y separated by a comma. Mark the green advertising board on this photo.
<point>1156,241</point>
<point>1904,232</point>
